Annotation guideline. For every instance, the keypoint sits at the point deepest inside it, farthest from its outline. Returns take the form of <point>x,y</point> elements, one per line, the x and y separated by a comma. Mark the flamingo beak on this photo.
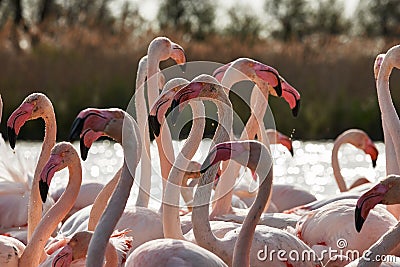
<point>63,258</point>
<point>221,152</point>
<point>367,202</point>
<point>154,125</point>
<point>17,120</point>
<point>52,166</point>
<point>76,129</point>
<point>285,141</point>
<point>372,152</point>
<point>291,96</point>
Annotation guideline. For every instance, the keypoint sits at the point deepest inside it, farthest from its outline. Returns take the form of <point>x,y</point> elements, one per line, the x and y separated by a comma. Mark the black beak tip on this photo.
<point>295,110</point>
<point>84,149</point>
<point>12,136</point>
<point>44,189</point>
<point>278,90</point>
<point>374,163</point>
<point>174,111</point>
<point>76,129</point>
<point>291,151</point>
<point>154,125</point>
<point>359,220</point>
<point>183,67</point>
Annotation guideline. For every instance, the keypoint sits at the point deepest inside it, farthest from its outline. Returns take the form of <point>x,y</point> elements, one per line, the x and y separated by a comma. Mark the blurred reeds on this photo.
<point>333,75</point>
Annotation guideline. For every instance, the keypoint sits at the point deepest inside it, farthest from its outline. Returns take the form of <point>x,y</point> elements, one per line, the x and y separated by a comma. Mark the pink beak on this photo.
<point>17,120</point>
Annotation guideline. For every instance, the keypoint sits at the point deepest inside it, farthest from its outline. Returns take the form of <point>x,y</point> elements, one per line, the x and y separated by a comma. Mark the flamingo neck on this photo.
<point>241,253</point>
<point>50,221</point>
<point>101,201</point>
<point>35,202</point>
<point>224,192</point>
<point>111,256</point>
<point>164,141</point>
<point>201,224</point>
<point>389,114</point>
<point>335,164</point>
<point>171,220</point>
<point>141,117</point>
<point>117,203</point>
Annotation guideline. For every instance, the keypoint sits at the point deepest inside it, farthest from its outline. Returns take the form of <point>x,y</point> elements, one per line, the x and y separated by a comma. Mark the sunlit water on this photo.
<point>310,167</point>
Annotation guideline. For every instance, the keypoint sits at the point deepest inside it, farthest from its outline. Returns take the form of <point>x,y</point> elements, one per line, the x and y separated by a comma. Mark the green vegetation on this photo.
<point>89,58</point>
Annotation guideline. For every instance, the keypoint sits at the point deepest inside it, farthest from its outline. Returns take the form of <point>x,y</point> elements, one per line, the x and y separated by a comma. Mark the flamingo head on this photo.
<point>35,106</point>
<point>220,72</point>
<point>386,192</point>
<point>61,156</point>
<point>75,249</point>
<point>160,106</point>
<point>361,140</point>
<point>246,153</point>
<point>92,123</point>
<point>377,64</point>
<point>163,48</point>
<point>275,137</point>
<point>203,86</point>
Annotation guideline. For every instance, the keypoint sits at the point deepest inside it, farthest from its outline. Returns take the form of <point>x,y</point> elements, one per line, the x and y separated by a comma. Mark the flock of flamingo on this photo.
<point>94,225</point>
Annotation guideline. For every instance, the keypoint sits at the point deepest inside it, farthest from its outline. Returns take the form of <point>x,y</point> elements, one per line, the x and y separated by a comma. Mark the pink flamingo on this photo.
<point>359,139</point>
<point>161,48</point>
<point>209,88</point>
<point>35,106</point>
<point>62,155</point>
<point>174,225</point>
<point>382,85</point>
<point>90,124</point>
<point>386,192</point>
<point>268,80</point>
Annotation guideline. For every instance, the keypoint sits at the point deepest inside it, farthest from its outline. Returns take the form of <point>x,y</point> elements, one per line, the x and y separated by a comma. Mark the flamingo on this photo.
<point>385,192</point>
<point>90,124</point>
<point>174,225</point>
<point>361,140</point>
<point>208,87</point>
<point>392,166</point>
<point>270,82</point>
<point>34,106</point>
<point>325,227</point>
<point>162,48</point>
<point>62,155</point>
<point>74,252</point>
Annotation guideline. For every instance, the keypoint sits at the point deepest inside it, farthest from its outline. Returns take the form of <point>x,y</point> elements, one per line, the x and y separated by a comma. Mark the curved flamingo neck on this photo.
<point>201,224</point>
<point>50,221</point>
<point>171,220</point>
<point>335,164</point>
<point>164,141</point>
<point>101,201</point>
<point>241,252</point>
<point>388,111</point>
<point>141,115</point>
<point>35,202</point>
<point>119,198</point>
<point>224,192</point>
